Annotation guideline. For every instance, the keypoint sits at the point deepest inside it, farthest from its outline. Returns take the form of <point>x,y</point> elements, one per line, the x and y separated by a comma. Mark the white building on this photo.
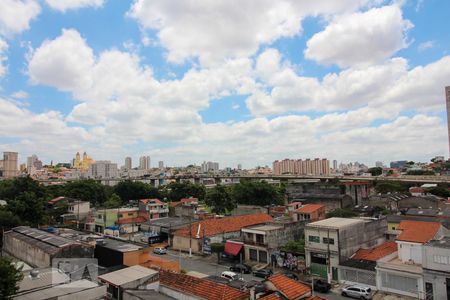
<point>209,166</point>
<point>161,164</point>
<point>403,275</point>
<point>103,169</point>
<point>436,268</point>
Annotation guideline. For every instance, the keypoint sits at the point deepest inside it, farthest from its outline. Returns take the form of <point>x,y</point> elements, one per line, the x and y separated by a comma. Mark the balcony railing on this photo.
<point>253,243</point>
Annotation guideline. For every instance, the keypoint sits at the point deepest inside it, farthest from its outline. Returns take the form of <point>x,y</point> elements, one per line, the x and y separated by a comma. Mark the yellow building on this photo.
<point>82,164</point>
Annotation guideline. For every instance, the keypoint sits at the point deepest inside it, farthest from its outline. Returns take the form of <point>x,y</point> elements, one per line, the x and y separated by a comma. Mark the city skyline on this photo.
<point>311,80</point>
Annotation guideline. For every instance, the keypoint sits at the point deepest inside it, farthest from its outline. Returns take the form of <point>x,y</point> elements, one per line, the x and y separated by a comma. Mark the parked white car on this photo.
<point>357,291</point>
<point>229,275</point>
<point>160,250</point>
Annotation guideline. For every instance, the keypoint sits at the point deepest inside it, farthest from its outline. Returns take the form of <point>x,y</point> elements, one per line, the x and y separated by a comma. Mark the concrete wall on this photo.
<point>429,252</point>
<point>439,282</point>
<point>22,250</point>
<point>410,251</point>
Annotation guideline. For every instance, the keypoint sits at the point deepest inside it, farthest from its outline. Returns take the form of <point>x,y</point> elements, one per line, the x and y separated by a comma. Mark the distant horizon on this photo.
<point>245,82</point>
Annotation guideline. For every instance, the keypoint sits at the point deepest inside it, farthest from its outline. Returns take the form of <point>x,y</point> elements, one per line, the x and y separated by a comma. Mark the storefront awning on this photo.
<point>232,248</point>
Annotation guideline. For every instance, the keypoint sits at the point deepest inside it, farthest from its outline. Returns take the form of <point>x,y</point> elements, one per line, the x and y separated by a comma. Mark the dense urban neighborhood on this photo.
<point>246,238</point>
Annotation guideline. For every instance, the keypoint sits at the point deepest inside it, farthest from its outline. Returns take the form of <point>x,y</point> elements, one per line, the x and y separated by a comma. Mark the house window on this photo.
<point>328,241</point>
<point>253,254</point>
<point>440,259</point>
<point>314,239</point>
<point>120,215</point>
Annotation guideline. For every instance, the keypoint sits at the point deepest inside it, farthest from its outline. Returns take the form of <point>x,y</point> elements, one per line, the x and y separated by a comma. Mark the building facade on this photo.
<point>436,268</point>
<point>9,165</point>
<point>308,166</point>
<point>329,242</point>
<point>144,162</point>
<point>103,169</point>
<point>128,163</point>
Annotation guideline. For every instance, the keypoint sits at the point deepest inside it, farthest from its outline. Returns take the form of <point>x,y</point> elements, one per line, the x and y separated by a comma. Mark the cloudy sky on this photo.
<point>245,81</point>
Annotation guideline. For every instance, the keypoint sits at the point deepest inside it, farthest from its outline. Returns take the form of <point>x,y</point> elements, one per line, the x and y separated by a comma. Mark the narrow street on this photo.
<point>207,266</point>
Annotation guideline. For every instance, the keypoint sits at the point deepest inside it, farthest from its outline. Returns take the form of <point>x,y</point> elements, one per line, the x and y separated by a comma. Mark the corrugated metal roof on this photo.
<point>126,275</point>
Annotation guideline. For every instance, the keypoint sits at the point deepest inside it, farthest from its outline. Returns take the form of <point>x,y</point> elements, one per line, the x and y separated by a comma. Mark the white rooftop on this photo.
<point>126,275</point>
<point>335,223</point>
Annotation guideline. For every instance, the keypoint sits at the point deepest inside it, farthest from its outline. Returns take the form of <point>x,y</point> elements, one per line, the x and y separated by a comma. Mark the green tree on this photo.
<point>219,199</point>
<point>341,213</point>
<point>10,277</point>
<point>86,190</point>
<point>295,246</point>
<point>54,214</point>
<point>10,189</point>
<point>217,248</point>
<point>439,191</point>
<point>178,190</point>
<point>420,172</point>
<point>376,171</point>
<point>7,221</point>
<point>257,193</point>
<point>134,190</point>
<point>114,201</point>
<point>28,207</point>
<point>385,187</point>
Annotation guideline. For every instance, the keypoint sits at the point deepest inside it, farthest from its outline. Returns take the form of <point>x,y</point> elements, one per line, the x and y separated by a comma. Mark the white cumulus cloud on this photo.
<point>64,5</point>
<point>360,38</point>
<point>15,15</point>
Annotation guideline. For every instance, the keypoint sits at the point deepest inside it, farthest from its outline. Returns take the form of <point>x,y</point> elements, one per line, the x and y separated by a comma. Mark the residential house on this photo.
<point>194,236</point>
<point>360,268</point>
<point>135,277</point>
<point>331,241</point>
<point>77,210</point>
<point>181,286</point>
<point>436,268</point>
<point>403,274</point>
<point>163,229</point>
<point>111,252</point>
<point>154,208</point>
<point>185,208</point>
<point>309,213</point>
<point>37,247</point>
<point>262,242</point>
<point>289,289</point>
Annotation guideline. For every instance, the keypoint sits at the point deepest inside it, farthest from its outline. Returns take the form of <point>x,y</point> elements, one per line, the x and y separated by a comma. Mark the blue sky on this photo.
<point>185,81</point>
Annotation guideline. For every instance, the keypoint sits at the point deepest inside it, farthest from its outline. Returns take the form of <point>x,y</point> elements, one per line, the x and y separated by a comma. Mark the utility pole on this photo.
<point>328,257</point>
<point>190,238</point>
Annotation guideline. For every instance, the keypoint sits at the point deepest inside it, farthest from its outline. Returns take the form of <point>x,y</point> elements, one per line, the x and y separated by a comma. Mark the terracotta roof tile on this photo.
<point>309,208</point>
<point>377,252</point>
<point>273,296</point>
<point>417,231</point>
<point>203,288</point>
<point>290,288</point>
<point>157,201</point>
<point>211,227</point>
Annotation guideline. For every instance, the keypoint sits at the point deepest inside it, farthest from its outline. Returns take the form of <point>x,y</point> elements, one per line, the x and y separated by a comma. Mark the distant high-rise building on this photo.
<point>239,167</point>
<point>447,101</point>
<point>161,164</point>
<point>302,167</point>
<point>379,164</point>
<point>144,162</point>
<point>8,166</point>
<point>33,164</point>
<point>335,165</point>
<point>128,163</point>
<point>210,166</point>
<point>103,169</point>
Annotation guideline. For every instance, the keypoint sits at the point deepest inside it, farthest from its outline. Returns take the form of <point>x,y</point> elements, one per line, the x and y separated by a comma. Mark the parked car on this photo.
<point>321,286</point>
<point>241,268</point>
<point>357,291</point>
<point>263,273</point>
<point>291,275</point>
<point>229,275</point>
<point>160,250</point>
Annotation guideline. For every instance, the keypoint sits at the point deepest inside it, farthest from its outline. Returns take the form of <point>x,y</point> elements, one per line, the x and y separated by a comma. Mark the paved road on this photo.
<point>209,267</point>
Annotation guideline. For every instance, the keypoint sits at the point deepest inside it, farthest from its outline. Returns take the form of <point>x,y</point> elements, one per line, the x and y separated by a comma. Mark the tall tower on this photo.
<point>128,163</point>
<point>10,164</point>
<point>447,101</point>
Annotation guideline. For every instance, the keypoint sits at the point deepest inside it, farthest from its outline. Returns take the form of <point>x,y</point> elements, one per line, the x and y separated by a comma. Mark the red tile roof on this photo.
<point>156,201</point>
<point>417,231</point>
<point>211,227</point>
<point>290,288</point>
<point>199,287</point>
<point>273,296</point>
<point>309,208</point>
<point>377,252</point>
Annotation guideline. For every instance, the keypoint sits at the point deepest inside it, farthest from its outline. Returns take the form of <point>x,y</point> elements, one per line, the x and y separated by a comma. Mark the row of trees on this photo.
<point>223,199</point>
<point>27,198</point>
